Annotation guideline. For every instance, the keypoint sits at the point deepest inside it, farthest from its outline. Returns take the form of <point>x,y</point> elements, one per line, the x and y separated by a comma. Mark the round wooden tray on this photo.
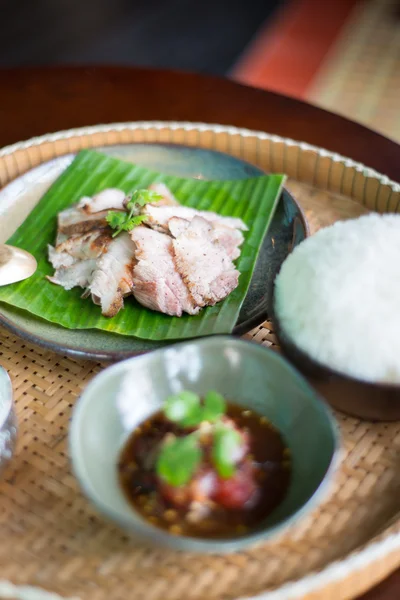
<point>53,539</point>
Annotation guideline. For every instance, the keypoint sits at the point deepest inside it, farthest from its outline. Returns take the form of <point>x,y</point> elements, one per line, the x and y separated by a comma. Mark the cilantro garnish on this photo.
<point>123,221</point>
<point>180,457</point>
<point>226,443</point>
<point>142,197</point>
<point>186,408</point>
<point>178,460</point>
<point>214,406</point>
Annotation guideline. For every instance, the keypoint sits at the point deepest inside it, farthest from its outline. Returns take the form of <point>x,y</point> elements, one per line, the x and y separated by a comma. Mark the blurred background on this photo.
<point>343,55</point>
<point>206,36</point>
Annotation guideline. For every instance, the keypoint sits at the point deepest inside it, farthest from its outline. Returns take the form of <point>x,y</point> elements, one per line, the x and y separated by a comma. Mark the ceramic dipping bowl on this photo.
<point>245,373</point>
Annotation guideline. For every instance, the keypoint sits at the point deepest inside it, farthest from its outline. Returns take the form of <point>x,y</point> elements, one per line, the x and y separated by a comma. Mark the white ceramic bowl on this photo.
<point>8,421</point>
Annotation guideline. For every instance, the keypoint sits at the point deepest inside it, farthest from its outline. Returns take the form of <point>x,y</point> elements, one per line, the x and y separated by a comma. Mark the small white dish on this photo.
<point>8,421</point>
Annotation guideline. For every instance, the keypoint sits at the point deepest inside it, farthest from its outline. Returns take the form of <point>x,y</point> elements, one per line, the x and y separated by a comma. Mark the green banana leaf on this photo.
<point>254,200</point>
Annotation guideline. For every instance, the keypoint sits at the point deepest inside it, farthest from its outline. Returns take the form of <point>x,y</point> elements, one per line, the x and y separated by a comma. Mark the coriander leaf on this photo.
<point>123,222</point>
<point>195,417</point>
<point>183,407</point>
<point>225,444</point>
<point>214,406</point>
<point>142,197</point>
<point>120,221</point>
<point>115,219</point>
<point>133,222</point>
<point>178,460</point>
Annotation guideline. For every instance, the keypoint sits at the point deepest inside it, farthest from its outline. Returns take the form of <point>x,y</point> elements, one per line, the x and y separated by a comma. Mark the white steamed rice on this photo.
<point>337,297</point>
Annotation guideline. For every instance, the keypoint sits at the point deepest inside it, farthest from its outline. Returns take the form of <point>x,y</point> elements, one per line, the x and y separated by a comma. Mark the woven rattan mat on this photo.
<point>53,538</point>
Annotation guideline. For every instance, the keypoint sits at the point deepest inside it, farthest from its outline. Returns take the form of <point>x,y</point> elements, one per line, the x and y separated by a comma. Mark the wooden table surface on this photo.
<point>43,100</point>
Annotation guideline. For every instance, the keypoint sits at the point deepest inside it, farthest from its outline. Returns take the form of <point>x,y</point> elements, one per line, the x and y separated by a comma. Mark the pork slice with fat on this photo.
<point>158,216</point>
<point>75,220</point>
<point>79,247</point>
<point>156,282</point>
<point>230,239</point>
<point>168,199</point>
<point>203,263</point>
<point>77,275</point>
<point>112,278</point>
<point>109,199</point>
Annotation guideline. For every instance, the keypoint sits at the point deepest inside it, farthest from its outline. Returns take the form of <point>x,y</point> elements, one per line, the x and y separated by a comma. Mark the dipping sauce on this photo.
<point>236,484</point>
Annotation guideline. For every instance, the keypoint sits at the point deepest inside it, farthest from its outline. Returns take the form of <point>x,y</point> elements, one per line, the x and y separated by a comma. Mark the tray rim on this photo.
<point>202,127</point>
<point>292,590</point>
<point>384,543</point>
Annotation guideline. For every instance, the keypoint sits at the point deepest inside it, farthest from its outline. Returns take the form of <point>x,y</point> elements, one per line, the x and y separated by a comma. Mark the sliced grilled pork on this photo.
<point>230,239</point>
<point>179,261</point>
<point>156,282</point>
<point>86,245</point>
<point>159,216</point>
<point>76,275</point>
<point>202,262</point>
<point>60,259</point>
<point>112,278</point>
<point>109,199</point>
<point>60,238</point>
<point>79,247</point>
<point>75,220</point>
<point>168,199</point>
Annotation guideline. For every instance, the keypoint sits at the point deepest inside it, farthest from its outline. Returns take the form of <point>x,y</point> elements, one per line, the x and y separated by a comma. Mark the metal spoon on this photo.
<point>15,264</point>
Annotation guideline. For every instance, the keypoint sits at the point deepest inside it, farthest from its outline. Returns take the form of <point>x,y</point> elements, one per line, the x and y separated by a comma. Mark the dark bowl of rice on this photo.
<point>336,314</point>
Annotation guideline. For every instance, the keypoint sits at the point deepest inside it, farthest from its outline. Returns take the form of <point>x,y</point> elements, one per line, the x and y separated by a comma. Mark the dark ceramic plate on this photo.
<point>287,229</point>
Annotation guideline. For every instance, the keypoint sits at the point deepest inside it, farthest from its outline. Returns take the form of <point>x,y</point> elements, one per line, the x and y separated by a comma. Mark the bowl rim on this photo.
<point>151,533</point>
<point>326,371</point>
<point>5,383</point>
